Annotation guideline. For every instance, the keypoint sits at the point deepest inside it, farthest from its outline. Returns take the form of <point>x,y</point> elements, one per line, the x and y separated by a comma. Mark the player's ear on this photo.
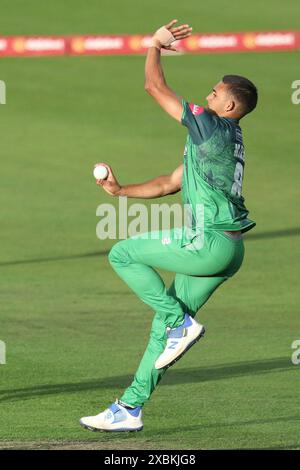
<point>230,106</point>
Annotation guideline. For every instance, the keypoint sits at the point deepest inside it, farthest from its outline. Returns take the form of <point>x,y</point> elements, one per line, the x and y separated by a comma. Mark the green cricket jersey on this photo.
<point>213,173</point>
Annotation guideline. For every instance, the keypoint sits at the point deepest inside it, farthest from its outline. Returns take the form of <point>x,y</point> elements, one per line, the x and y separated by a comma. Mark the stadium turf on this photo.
<point>74,332</point>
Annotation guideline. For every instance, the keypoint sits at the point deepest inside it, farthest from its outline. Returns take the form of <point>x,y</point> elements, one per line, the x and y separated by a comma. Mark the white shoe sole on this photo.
<point>91,428</point>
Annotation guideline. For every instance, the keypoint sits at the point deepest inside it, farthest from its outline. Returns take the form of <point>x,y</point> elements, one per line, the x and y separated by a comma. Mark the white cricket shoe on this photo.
<point>115,418</point>
<point>179,341</point>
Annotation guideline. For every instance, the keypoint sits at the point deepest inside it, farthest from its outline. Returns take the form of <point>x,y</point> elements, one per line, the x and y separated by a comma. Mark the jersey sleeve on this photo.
<point>200,122</point>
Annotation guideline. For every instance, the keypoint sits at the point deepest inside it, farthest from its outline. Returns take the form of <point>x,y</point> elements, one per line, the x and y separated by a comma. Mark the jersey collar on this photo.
<point>234,120</point>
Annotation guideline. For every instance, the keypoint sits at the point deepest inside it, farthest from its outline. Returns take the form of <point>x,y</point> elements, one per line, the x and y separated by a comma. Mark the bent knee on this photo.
<point>118,253</point>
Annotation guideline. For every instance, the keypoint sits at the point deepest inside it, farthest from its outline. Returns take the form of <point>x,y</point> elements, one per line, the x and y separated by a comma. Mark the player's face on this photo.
<point>219,99</point>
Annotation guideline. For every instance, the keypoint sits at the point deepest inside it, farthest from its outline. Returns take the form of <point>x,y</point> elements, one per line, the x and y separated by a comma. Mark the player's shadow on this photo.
<point>226,424</point>
<point>220,423</point>
<point>248,237</point>
<point>172,377</point>
<point>55,258</point>
<point>291,232</point>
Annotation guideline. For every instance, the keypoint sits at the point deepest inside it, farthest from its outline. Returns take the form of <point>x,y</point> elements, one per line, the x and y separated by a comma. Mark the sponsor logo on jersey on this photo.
<point>196,110</point>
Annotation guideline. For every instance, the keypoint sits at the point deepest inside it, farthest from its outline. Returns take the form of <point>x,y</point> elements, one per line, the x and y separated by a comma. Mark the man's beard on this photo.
<point>211,110</point>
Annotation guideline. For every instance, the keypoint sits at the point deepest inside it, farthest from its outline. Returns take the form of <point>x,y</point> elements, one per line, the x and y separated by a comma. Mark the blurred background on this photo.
<point>74,332</point>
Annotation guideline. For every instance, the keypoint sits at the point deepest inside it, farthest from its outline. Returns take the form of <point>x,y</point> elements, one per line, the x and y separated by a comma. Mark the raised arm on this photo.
<point>155,82</point>
<point>157,187</point>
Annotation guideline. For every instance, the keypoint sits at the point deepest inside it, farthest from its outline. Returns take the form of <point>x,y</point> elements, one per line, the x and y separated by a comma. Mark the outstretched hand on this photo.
<point>178,32</point>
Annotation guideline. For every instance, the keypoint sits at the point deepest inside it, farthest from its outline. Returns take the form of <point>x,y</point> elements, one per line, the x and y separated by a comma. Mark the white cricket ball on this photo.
<point>100,172</point>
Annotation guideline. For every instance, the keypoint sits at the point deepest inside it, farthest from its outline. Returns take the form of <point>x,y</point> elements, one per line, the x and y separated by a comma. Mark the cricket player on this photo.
<point>208,251</point>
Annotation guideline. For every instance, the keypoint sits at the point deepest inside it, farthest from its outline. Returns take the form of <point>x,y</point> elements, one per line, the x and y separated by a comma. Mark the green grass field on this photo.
<point>74,332</point>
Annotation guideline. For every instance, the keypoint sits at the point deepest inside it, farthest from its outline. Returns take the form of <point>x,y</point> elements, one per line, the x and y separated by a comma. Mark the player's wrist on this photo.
<point>162,38</point>
<point>120,191</point>
<point>155,42</point>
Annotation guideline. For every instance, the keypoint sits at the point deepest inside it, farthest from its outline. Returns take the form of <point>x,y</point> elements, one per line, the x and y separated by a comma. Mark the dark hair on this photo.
<point>243,90</point>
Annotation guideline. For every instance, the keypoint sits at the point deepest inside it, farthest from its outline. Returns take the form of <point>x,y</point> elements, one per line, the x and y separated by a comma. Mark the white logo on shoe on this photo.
<point>166,241</point>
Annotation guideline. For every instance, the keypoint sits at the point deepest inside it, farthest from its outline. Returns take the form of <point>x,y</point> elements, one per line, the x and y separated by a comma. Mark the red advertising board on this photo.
<point>32,45</point>
<point>198,43</point>
<point>242,42</point>
<point>138,44</point>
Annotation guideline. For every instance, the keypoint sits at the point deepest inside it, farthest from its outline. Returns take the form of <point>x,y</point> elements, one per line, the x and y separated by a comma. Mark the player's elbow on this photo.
<point>153,89</point>
<point>170,186</point>
<point>174,189</point>
<point>149,88</point>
